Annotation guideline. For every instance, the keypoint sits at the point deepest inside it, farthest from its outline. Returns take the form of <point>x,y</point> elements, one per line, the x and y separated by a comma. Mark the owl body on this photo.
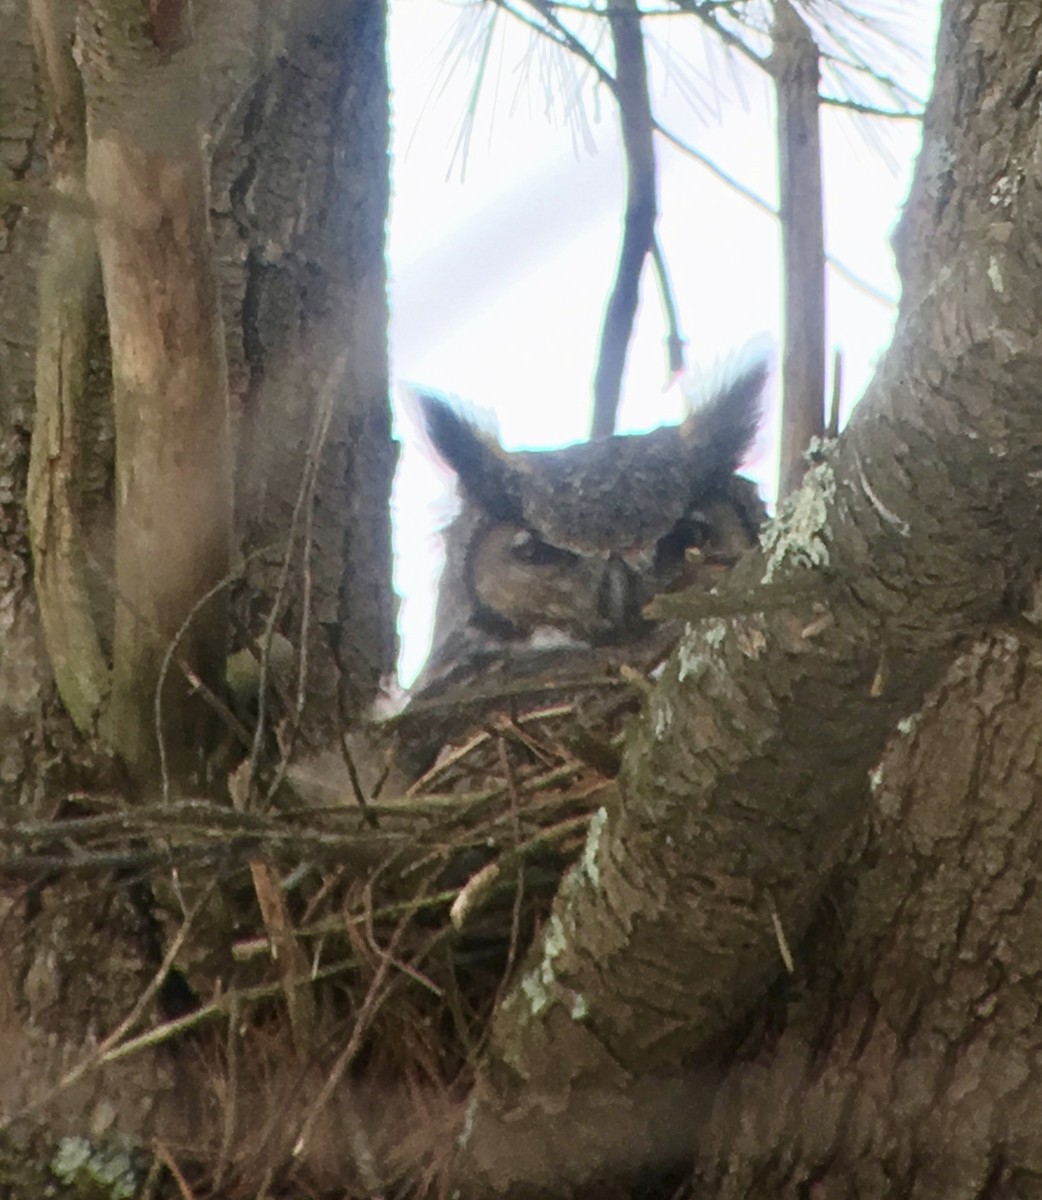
<point>555,554</point>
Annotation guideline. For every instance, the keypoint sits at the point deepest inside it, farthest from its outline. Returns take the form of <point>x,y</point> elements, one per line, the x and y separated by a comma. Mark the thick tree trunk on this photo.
<point>301,190</point>
<point>745,785</point>
<point>903,1057</point>
<point>293,107</point>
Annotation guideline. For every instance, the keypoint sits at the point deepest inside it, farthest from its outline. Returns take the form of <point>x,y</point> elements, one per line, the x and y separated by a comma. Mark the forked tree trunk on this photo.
<point>808,983</point>
<point>845,973</point>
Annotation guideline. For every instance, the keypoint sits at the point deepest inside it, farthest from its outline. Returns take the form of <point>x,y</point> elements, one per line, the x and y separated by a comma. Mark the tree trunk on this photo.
<point>251,203</point>
<point>903,1057</point>
<point>702,911</point>
<point>802,982</point>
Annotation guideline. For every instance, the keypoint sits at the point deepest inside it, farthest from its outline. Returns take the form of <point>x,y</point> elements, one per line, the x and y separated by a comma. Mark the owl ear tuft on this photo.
<point>470,449</point>
<point>724,422</point>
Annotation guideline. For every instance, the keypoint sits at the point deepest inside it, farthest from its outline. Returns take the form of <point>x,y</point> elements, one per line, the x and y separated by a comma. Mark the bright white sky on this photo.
<point>501,259</point>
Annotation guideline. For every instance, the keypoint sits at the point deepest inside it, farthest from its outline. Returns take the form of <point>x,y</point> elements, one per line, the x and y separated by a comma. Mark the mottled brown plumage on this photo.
<point>560,551</point>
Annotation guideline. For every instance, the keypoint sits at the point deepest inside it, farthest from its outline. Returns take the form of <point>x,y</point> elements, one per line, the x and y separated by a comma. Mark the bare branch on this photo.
<point>631,92</point>
<point>795,68</point>
<point>560,35</point>
<point>675,340</point>
<point>69,285</point>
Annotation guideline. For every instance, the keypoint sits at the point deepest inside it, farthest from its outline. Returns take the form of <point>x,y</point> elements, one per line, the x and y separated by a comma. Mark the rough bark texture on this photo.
<point>173,493</point>
<point>903,1056</point>
<point>22,669</point>
<point>747,779</point>
<point>295,106</point>
<point>301,194</point>
<point>68,305</point>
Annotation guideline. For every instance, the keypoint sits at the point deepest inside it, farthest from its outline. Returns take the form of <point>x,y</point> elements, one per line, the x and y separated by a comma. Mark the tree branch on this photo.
<point>69,285</point>
<point>631,92</point>
<point>170,392</point>
<point>796,75</point>
<point>556,32</point>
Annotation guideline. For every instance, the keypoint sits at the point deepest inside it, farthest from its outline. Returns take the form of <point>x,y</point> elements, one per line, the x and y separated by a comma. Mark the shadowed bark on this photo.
<point>910,1043</point>
<point>241,223</point>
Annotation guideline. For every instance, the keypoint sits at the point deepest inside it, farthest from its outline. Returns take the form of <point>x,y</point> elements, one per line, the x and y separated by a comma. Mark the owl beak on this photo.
<point>618,599</point>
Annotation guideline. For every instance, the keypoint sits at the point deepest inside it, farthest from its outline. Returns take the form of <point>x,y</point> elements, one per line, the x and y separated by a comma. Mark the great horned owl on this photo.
<point>549,568</point>
<point>558,552</point>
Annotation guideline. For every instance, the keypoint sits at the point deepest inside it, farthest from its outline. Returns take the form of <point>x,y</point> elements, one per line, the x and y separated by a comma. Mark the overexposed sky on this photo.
<point>502,255</point>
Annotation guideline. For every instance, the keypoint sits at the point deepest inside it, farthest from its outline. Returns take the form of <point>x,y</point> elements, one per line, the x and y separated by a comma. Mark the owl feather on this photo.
<point>576,541</point>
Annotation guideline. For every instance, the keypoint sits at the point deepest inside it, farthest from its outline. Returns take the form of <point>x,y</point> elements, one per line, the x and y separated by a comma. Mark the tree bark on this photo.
<point>294,110</point>
<point>148,181</point>
<point>69,306</point>
<point>744,784</point>
<point>301,193</point>
<point>907,1036</point>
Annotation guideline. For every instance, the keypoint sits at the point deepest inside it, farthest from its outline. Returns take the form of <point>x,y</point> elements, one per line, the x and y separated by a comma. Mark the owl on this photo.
<point>543,643</point>
<point>555,554</point>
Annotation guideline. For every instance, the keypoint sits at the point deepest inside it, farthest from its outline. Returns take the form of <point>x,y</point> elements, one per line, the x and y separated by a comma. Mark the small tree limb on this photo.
<point>148,181</point>
<point>796,74</point>
<point>631,92</point>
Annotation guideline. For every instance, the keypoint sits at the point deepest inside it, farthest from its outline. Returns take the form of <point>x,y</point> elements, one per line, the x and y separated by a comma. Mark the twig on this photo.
<point>301,503</point>
<point>480,885</point>
<point>375,996</point>
<point>163,1155</point>
<point>447,761</point>
<point>313,461</point>
<point>779,934</point>
<point>675,340</point>
<point>285,950</point>
<point>230,1107</point>
<point>192,677</point>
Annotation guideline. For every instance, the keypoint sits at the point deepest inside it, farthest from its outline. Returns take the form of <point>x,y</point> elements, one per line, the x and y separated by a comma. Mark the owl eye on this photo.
<point>685,540</point>
<point>698,529</point>
<point>526,547</point>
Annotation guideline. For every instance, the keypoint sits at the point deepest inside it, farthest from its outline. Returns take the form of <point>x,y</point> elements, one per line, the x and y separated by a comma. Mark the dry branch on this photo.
<point>631,94</point>
<point>795,67</point>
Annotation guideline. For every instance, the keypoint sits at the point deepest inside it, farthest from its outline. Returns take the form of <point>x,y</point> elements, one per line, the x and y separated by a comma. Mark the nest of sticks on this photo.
<point>382,933</point>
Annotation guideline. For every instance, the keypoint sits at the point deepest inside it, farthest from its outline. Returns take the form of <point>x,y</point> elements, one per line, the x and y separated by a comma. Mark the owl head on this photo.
<point>566,547</point>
